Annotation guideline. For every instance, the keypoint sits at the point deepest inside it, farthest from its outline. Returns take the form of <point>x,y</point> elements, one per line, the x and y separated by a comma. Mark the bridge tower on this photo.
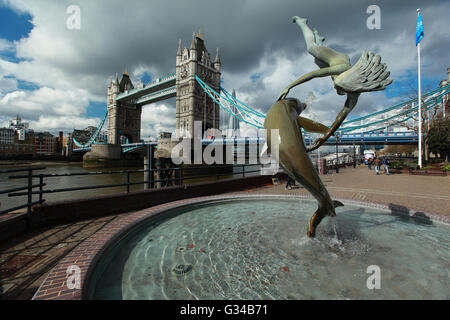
<point>192,103</point>
<point>124,118</point>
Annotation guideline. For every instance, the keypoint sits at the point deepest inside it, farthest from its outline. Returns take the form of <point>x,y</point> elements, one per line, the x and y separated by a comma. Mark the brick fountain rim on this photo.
<point>89,252</point>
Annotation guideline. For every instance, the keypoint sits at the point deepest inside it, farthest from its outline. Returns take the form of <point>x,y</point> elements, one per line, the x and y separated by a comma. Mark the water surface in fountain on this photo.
<point>258,249</point>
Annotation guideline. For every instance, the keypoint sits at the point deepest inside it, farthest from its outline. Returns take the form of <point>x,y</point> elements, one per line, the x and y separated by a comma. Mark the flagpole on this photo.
<point>420,103</point>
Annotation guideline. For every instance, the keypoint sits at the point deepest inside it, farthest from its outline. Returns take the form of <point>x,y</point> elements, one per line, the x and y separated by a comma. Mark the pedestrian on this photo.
<point>369,162</point>
<point>376,165</point>
<point>387,164</point>
<point>289,183</point>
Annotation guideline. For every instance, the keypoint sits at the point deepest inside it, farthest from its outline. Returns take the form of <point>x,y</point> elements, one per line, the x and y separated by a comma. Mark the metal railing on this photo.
<point>171,176</point>
<point>29,193</point>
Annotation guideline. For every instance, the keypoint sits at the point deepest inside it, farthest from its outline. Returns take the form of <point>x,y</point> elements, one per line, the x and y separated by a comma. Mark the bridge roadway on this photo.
<point>391,138</point>
<point>157,90</point>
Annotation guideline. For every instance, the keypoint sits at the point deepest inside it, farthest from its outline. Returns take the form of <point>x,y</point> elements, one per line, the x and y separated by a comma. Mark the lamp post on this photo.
<point>337,154</point>
<point>318,161</point>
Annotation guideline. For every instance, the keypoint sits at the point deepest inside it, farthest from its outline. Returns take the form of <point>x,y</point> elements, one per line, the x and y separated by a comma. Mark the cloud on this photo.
<point>156,118</point>
<point>7,84</point>
<point>31,105</point>
<point>6,45</point>
<point>62,123</point>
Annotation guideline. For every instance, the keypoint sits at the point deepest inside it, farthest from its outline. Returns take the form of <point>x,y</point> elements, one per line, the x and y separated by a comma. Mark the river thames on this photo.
<point>78,181</point>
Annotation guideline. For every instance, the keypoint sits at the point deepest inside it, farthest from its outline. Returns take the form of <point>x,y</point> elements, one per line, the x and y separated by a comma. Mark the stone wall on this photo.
<point>55,213</point>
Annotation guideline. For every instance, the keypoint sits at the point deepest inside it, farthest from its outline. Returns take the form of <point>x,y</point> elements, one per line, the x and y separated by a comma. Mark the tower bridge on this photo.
<point>125,102</point>
<point>200,97</point>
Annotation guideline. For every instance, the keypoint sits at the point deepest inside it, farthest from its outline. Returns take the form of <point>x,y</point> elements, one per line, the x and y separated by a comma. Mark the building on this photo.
<point>124,119</point>
<point>19,141</point>
<point>59,140</point>
<point>6,141</point>
<point>12,144</point>
<point>193,104</point>
<point>45,144</point>
<point>22,128</point>
<point>234,127</point>
<point>6,136</point>
<point>67,145</point>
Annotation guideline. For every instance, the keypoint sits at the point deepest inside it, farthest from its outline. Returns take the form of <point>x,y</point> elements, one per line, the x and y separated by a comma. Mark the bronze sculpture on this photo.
<point>292,155</point>
<point>368,74</point>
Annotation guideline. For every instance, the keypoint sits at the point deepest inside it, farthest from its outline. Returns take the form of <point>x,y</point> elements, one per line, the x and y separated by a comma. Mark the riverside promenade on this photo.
<point>429,194</point>
<point>26,260</point>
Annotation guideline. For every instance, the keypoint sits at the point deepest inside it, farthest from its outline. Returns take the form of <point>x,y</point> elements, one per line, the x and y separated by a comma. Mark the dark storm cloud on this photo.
<point>146,32</point>
<point>118,34</point>
<point>257,40</point>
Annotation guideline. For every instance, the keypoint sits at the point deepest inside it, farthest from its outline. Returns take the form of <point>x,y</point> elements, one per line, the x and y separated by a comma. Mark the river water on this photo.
<point>77,181</point>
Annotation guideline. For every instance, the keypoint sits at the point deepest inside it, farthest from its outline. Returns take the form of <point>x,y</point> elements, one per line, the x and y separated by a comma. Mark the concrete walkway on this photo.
<point>26,261</point>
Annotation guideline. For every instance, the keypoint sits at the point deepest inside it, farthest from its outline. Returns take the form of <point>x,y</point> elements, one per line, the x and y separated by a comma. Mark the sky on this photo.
<point>56,77</point>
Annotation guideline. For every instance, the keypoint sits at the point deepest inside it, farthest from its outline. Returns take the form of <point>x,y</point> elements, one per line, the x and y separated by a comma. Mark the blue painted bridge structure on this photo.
<point>202,79</point>
<point>196,84</point>
<point>372,129</point>
<point>390,138</point>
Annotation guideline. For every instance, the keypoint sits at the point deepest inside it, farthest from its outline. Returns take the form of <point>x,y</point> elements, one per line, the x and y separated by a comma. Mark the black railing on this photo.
<point>29,187</point>
<point>171,176</point>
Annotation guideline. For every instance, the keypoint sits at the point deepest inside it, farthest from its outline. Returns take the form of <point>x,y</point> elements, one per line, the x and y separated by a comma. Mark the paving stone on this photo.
<point>428,194</point>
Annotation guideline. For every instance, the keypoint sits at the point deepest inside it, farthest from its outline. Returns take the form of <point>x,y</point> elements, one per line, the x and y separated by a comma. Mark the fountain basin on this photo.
<point>256,248</point>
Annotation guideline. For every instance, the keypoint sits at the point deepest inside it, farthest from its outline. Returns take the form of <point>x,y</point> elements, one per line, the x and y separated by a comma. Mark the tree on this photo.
<point>428,117</point>
<point>406,150</point>
<point>439,137</point>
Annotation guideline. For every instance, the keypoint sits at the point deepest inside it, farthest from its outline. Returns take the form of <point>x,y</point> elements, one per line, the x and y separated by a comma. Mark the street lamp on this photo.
<point>337,155</point>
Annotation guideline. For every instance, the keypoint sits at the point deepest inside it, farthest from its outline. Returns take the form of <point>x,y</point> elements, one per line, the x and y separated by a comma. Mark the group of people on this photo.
<point>378,162</point>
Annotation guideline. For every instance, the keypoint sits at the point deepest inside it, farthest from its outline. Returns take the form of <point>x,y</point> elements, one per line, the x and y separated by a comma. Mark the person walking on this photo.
<point>387,164</point>
<point>376,165</point>
<point>369,162</point>
<point>289,183</point>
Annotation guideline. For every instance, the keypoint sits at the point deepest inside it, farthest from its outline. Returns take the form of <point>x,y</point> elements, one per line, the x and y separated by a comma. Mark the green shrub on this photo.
<point>398,165</point>
<point>411,165</point>
<point>435,160</point>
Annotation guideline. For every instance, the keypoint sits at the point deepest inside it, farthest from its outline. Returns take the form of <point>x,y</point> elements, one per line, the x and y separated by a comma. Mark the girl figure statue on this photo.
<point>368,74</point>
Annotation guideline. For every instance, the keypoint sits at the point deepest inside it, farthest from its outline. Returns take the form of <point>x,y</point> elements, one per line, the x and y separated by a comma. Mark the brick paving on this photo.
<point>25,262</point>
<point>429,194</point>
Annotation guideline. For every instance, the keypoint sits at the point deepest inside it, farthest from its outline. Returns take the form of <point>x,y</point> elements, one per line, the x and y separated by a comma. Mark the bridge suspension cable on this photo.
<point>430,95</point>
<point>93,137</point>
<point>227,102</point>
<point>396,119</point>
<point>248,115</point>
<point>241,111</point>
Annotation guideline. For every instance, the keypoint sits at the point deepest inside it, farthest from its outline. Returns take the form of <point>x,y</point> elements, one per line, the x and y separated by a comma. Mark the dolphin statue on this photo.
<point>292,156</point>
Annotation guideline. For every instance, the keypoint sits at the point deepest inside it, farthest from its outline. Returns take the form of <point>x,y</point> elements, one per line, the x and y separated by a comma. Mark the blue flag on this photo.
<point>419,30</point>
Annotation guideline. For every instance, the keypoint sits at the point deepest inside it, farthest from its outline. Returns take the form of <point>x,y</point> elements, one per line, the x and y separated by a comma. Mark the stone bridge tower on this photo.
<point>124,118</point>
<point>192,103</point>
